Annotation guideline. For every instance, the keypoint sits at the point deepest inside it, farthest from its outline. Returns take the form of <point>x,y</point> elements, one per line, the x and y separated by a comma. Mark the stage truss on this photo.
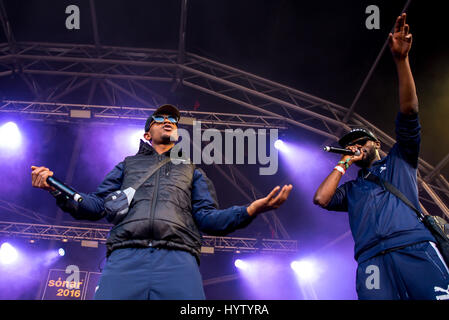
<point>127,74</point>
<point>123,72</point>
<point>99,235</point>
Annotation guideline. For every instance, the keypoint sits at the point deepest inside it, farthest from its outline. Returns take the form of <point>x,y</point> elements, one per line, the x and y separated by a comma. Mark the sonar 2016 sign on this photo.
<point>70,284</point>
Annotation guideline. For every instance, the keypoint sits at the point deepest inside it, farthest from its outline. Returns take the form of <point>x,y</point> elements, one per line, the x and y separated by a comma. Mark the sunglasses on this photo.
<point>161,119</point>
<point>361,142</point>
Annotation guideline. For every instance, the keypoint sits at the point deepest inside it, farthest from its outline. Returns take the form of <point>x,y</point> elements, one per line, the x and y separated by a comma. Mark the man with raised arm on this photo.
<point>396,254</point>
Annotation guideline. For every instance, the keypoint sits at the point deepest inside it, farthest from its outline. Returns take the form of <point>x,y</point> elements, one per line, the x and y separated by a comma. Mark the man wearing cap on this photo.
<point>153,252</point>
<point>395,252</point>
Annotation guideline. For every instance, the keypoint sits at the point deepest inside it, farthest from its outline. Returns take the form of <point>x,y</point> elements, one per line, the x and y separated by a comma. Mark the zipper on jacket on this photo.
<point>153,202</point>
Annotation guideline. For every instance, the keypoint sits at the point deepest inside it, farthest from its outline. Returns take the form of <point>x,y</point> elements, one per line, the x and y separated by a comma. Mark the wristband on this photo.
<point>340,169</point>
<point>345,163</point>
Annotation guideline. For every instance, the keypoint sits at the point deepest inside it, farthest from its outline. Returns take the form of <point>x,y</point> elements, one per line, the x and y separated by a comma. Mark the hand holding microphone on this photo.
<point>350,155</point>
<point>43,178</point>
<point>348,152</point>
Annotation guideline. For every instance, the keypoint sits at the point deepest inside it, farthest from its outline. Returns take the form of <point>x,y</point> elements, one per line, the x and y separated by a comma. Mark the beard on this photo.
<point>368,157</point>
<point>169,137</point>
<point>165,139</point>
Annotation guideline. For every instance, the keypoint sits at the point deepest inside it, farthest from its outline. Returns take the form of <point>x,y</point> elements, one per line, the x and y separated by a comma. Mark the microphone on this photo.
<point>61,187</point>
<point>341,151</point>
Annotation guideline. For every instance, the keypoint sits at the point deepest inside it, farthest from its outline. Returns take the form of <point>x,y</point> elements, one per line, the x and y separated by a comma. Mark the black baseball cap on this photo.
<point>356,134</point>
<point>167,109</point>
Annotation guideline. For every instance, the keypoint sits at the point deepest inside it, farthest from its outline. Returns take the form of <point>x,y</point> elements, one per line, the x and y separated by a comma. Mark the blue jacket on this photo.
<point>208,217</point>
<point>168,229</point>
<point>378,219</point>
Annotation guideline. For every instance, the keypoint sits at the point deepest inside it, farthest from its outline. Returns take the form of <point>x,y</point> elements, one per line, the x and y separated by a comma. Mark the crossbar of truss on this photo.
<point>263,97</point>
<point>76,233</point>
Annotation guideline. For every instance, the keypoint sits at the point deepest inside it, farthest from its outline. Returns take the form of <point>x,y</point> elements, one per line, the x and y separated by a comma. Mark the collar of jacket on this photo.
<point>364,171</point>
<point>146,148</point>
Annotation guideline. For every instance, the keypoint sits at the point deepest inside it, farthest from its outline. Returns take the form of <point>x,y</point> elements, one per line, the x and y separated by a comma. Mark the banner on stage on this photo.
<point>78,285</point>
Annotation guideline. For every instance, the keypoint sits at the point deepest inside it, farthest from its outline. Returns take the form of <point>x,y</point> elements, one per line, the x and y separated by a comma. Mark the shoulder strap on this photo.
<point>153,170</point>
<point>395,191</point>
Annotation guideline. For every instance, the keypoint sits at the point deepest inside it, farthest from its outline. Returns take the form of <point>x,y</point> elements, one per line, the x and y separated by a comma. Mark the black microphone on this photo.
<point>61,187</point>
<point>342,151</point>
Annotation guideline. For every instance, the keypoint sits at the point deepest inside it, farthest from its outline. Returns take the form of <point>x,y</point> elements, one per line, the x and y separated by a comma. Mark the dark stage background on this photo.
<point>319,47</point>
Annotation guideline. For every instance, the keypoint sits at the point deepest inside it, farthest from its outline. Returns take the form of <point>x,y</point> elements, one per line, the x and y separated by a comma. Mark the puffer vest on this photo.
<point>160,214</point>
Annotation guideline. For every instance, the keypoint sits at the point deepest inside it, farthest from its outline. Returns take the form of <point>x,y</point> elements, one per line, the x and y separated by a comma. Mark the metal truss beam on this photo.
<point>93,14</point>
<point>24,212</point>
<point>239,181</point>
<point>161,65</point>
<point>261,96</point>
<point>435,198</point>
<point>274,223</point>
<point>76,233</point>
<point>6,26</point>
<point>249,245</point>
<point>436,171</point>
<point>181,45</point>
<point>52,232</point>
<point>37,110</point>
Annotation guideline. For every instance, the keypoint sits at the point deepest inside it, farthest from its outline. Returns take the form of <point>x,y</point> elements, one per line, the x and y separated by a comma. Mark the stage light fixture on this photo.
<point>240,264</point>
<point>135,137</point>
<point>61,252</point>
<point>8,254</point>
<point>10,137</point>
<point>280,145</point>
<point>304,269</point>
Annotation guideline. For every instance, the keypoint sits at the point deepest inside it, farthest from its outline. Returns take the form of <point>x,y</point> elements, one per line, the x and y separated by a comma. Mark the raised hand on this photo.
<point>401,40</point>
<point>271,201</point>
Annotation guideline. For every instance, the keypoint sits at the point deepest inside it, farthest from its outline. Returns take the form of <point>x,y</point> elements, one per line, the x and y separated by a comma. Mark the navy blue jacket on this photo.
<point>378,219</point>
<point>206,214</point>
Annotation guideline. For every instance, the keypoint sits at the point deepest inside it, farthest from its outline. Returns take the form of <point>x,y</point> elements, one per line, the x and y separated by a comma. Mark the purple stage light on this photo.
<point>10,136</point>
<point>8,254</point>
<point>305,270</point>
<point>61,252</point>
<point>263,276</point>
<point>134,138</point>
<point>240,264</point>
<point>280,145</point>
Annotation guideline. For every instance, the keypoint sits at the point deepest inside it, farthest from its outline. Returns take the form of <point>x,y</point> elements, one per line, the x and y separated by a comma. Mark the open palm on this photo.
<point>271,201</point>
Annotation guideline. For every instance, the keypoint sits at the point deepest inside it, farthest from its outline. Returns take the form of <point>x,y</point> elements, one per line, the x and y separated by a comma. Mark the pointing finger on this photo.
<point>401,23</point>
<point>406,29</point>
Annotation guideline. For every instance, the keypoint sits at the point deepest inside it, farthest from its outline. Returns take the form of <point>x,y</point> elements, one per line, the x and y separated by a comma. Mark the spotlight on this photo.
<point>304,269</point>
<point>280,145</point>
<point>61,252</point>
<point>240,264</point>
<point>134,138</point>
<point>10,136</point>
<point>8,254</point>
